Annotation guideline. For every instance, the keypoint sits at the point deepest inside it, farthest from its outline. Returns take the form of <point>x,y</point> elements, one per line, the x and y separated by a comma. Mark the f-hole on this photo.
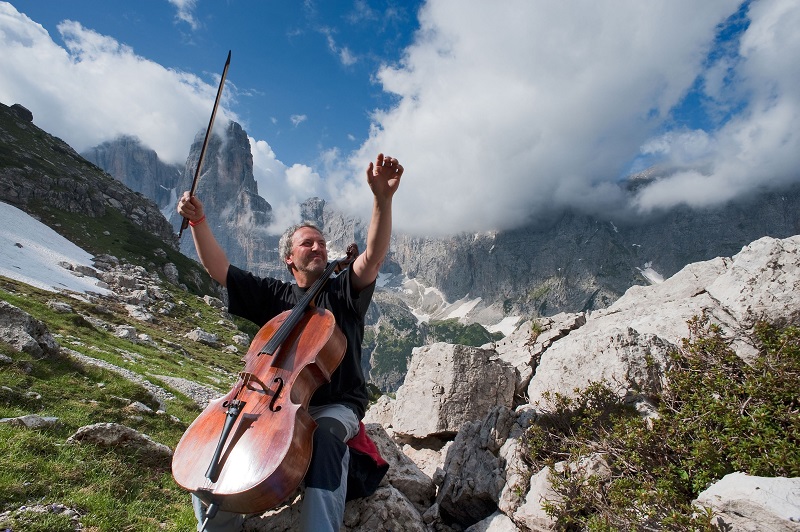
<point>272,406</point>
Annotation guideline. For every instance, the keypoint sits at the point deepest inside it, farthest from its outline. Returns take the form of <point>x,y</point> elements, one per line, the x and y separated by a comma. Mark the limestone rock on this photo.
<point>386,509</point>
<point>474,471</point>
<point>524,347</point>
<point>744,503</point>
<point>381,411</point>
<point>25,333</point>
<point>517,470</point>
<point>116,435</point>
<point>497,522</point>
<point>531,513</point>
<point>207,338</point>
<point>627,343</point>
<point>214,302</point>
<point>31,421</point>
<point>761,283</point>
<point>448,385</point>
<point>403,474</point>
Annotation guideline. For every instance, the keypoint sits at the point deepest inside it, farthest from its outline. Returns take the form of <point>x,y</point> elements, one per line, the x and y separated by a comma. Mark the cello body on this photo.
<point>265,451</point>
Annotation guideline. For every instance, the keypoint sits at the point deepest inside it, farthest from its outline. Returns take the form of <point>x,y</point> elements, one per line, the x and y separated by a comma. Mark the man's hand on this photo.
<point>383,176</point>
<point>190,207</point>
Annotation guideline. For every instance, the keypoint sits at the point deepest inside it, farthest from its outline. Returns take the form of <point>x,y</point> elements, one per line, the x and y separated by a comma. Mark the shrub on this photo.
<point>717,414</point>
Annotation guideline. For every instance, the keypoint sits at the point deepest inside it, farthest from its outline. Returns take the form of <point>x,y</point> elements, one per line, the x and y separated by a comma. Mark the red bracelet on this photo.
<point>197,222</point>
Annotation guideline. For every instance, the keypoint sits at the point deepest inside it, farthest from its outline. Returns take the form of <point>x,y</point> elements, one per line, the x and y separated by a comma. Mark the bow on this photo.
<point>185,222</point>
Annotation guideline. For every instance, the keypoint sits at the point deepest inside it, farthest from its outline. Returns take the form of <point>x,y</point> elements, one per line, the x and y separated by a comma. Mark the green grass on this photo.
<point>111,489</point>
<point>393,350</point>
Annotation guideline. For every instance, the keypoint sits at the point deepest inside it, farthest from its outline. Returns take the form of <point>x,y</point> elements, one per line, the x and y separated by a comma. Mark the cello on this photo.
<point>256,441</point>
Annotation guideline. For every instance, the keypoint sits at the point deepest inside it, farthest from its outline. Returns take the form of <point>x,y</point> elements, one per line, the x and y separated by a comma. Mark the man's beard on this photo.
<point>313,267</point>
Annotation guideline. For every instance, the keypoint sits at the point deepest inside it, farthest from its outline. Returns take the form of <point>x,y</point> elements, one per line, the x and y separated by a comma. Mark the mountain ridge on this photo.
<point>573,262</point>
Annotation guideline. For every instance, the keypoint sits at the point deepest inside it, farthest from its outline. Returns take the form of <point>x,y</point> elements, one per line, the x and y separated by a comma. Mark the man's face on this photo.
<point>309,253</point>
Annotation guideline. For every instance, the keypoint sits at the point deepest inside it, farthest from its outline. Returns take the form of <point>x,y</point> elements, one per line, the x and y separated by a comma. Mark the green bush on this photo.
<point>716,415</point>
<point>454,332</point>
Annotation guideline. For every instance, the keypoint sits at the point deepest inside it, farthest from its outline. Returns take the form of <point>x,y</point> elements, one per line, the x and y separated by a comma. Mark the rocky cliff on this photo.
<point>234,208</point>
<point>566,263</point>
<point>139,168</point>
<point>41,174</point>
<point>578,262</point>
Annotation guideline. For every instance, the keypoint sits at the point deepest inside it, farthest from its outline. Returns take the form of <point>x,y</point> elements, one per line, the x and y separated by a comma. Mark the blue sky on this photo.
<point>300,73</point>
<point>499,111</point>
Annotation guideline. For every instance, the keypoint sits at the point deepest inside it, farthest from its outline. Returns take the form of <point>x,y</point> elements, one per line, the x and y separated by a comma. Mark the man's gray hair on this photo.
<point>285,244</point>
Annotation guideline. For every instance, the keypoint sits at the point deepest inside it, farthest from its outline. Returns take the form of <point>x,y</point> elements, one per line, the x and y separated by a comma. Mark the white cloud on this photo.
<point>185,12</point>
<point>345,55</point>
<point>759,146</point>
<point>504,110</point>
<point>97,89</point>
<point>507,110</point>
<point>298,119</point>
<point>284,187</point>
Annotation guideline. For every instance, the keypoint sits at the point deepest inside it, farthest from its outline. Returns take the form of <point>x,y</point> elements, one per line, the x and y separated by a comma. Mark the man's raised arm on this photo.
<point>383,177</point>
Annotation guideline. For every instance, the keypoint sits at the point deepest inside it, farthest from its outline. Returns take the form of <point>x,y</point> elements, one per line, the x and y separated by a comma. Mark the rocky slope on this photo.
<point>468,437</point>
<point>39,172</point>
<point>454,435</point>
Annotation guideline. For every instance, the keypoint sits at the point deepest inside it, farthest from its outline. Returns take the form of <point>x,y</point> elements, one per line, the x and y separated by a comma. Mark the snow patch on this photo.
<point>461,308</point>
<point>383,279</point>
<point>506,326</point>
<point>171,207</point>
<point>30,252</point>
<point>652,276</point>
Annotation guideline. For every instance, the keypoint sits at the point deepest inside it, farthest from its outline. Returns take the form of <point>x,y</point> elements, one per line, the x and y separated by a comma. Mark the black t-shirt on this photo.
<point>261,299</point>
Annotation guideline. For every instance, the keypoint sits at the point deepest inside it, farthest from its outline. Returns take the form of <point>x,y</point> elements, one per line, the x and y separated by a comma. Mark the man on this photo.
<point>337,406</point>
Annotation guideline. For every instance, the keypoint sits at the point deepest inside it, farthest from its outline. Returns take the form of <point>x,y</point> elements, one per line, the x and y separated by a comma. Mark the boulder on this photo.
<point>448,385</point>
<point>22,112</point>
<point>742,502</point>
<point>474,470</point>
<point>403,474</point>
<point>32,421</point>
<point>116,435</point>
<point>25,333</point>
<point>386,509</point>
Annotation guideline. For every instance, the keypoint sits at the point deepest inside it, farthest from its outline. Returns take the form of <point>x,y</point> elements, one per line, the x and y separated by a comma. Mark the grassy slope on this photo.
<point>110,488</point>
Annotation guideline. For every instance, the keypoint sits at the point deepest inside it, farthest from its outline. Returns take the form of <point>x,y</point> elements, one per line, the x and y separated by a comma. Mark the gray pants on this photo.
<point>325,484</point>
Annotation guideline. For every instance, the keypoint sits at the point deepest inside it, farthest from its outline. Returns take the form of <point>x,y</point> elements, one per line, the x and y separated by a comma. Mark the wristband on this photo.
<point>197,222</point>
